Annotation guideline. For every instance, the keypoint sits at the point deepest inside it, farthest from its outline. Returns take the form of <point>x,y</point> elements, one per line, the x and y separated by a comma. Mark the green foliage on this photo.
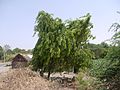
<point>87,82</point>
<point>9,57</point>
<point>61,46</point>
<point>7,53</point>
<point>116,37</point>
<point>92,78</point>
<point>98,68</point>
<point>99,50</point>
<point>112,73</point>
<point>1,53</point>
<point>29,51</point>
<point>22,51</point>
<point>16,50</point>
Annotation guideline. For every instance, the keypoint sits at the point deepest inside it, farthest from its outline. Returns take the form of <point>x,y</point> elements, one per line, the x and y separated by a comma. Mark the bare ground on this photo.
<point>25,79</point>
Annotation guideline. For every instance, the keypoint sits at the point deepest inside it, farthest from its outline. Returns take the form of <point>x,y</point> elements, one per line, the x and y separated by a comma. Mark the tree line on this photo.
<point>7,53</point>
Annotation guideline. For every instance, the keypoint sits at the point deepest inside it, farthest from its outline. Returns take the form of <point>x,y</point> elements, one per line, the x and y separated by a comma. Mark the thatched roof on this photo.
<point>19,58</point>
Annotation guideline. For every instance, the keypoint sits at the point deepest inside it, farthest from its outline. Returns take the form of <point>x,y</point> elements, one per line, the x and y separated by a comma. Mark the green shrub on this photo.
<point>99,66</point>
<point>112,73</point>
<point>87,82</point>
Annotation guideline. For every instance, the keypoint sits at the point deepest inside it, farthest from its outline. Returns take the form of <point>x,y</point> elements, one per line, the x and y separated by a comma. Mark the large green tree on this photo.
<point>61,45</point>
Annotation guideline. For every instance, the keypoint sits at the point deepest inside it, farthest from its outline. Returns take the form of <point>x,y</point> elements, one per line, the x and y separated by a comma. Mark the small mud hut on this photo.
<point>19,61</point>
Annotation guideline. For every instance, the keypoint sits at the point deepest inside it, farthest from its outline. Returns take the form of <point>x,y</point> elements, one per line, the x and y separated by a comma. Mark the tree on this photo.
<point>23,51</point>
<point>61,45</point>
<point>99,50</point>
<point>9,52</point>
<point>116,28</point>
<point>29,51</point>
<point>112,74</point>
<point>1,53</point>
<point>5,49</point>
<point>16,50</point>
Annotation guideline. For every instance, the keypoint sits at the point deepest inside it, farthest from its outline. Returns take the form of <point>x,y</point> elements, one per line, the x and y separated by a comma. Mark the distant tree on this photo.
<point>9,52</point>
<point>104,45</point>
<point>116,28</point>
<point>5,49</point>
<point>16,50</point>
<point>1,53</point>
<point>29,51</point>
<point>23,51</point>
<point>61,46</point>
<point>99,50</point>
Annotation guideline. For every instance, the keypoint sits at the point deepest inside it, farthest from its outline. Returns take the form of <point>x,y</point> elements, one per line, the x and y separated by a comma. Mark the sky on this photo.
<point>17,18</point>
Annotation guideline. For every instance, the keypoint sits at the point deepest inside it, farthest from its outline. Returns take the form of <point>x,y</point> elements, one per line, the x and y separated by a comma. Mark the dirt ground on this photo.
<point>25,79</point>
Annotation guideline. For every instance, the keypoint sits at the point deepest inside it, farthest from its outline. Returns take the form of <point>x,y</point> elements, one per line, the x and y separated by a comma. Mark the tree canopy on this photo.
<point>61,45</point>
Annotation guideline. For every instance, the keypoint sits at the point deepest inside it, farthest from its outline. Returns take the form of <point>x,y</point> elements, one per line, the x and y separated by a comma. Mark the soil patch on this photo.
<point>24,79</point>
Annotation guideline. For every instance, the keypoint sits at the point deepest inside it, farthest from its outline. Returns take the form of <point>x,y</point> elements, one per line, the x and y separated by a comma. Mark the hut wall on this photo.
<point>19,64</point>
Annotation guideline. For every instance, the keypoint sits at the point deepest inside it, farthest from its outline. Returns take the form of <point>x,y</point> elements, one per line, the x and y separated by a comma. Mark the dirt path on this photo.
<point>4,68</point>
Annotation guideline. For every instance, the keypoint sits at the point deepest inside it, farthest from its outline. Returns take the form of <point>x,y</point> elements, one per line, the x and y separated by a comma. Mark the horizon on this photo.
<point>17,18</point>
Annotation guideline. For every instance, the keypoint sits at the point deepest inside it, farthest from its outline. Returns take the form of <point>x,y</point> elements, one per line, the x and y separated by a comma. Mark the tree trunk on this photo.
<point>49,75</point>
<point>41,73</point>
<point>75,70</point>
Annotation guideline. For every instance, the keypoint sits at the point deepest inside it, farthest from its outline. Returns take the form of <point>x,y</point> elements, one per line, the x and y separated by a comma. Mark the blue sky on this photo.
<point>17,18</point>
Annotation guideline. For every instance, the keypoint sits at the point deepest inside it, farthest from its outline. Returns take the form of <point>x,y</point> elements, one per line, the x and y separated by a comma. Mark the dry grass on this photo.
<point>24,79</point>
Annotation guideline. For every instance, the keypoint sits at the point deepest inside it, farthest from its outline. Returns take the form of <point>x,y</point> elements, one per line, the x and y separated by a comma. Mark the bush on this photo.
<point>112,73</point>
<point>99,66</point>
<point>87,82</point>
